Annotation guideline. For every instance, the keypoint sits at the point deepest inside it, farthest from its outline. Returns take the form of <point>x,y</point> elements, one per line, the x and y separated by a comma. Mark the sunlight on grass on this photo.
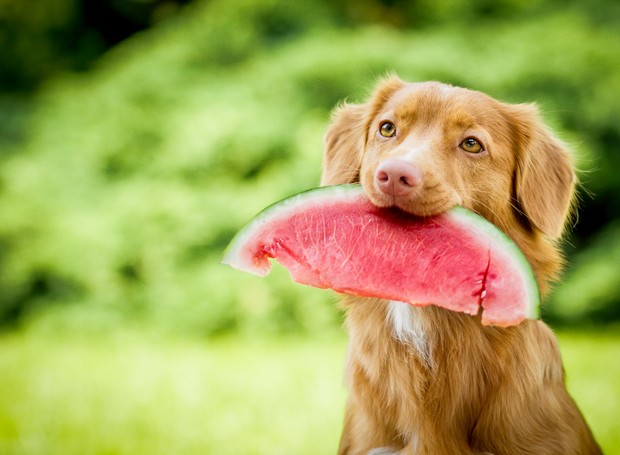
<point>137,394</point>
<point>143,396</point>
<point>592,363</point>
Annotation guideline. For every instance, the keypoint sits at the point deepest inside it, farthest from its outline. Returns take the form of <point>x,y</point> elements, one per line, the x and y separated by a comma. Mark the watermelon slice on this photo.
<point>334,237</point>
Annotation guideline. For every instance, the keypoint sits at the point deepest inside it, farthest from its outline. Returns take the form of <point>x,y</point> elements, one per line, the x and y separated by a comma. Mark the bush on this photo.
<point>137,174</point>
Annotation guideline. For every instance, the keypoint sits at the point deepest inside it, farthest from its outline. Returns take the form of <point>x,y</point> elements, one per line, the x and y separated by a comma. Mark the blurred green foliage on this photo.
<point>39,38</point>
<point>132,177</point>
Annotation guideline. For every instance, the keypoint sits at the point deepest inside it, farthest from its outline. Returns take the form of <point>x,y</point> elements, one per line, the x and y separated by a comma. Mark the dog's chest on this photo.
<point>409,327</point>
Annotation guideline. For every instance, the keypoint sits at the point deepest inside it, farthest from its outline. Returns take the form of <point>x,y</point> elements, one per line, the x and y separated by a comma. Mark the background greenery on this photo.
<point>137,136</point>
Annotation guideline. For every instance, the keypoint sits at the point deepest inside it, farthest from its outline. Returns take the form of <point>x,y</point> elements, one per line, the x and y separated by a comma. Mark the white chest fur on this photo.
<point>409,327</point>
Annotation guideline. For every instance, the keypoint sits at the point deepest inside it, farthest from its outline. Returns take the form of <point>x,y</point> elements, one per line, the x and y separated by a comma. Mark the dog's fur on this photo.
<point>427,380</point>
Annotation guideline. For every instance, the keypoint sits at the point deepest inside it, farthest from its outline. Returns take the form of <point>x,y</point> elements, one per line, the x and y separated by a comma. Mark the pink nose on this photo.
<point>397,177</point>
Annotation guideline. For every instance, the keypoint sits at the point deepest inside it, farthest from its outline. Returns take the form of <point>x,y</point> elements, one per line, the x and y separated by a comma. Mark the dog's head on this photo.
<point>426,147</point>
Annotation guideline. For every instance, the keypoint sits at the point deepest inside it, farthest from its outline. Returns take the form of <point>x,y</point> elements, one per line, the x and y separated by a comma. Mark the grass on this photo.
<point>139,394</point>
<point>133,395</point>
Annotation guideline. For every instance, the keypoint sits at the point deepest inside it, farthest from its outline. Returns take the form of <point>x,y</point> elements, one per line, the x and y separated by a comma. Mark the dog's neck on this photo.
<point>420,331</point>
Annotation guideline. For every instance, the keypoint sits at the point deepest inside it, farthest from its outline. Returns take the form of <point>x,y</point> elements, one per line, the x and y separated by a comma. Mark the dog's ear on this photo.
<point>345,139</point>
<point>344,145</point>
<point>544,177</point>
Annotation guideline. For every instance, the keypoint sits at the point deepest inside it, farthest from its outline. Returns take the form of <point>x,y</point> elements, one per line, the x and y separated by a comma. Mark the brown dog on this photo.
<point>427,380</point>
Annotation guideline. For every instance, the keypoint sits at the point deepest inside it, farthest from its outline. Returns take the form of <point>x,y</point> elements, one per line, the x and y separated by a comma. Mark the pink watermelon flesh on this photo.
<point>334,237</point>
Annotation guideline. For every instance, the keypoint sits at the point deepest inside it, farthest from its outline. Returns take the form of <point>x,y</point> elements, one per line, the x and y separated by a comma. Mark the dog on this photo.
<point>425,380</point>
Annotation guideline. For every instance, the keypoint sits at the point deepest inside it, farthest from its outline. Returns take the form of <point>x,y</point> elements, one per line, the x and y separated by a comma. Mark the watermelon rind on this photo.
<point>234,253</point>
<point>509,246</point>
<point>281,209</point>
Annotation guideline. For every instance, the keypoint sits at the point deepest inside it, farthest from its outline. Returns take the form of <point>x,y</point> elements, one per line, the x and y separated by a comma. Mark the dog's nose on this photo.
<point>397,177</point>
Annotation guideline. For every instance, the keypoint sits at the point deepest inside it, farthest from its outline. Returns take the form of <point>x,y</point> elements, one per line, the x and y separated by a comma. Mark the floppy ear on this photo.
<point>345,139</point>
<point>544,178</point>
<point>344,145</point>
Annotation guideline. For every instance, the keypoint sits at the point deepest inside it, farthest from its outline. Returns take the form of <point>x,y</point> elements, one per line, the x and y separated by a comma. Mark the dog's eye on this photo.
<point>387,129</point>
<point>471,145</point>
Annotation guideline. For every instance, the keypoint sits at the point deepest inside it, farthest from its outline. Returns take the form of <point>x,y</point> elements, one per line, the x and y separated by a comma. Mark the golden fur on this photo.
<point>480,389</point>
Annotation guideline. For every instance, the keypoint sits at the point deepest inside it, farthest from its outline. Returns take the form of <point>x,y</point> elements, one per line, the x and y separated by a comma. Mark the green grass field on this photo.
<point>140,394</point>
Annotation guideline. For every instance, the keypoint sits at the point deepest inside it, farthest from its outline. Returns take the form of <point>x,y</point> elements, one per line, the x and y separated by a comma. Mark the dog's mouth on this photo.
<point>399,184</point>
<point>419,203</point>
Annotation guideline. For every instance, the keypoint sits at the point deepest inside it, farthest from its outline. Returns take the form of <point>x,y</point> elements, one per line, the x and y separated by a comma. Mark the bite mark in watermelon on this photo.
<point>334,237</point>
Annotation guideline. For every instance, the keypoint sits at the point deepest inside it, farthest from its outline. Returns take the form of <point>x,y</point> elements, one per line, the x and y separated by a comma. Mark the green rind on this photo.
<point>281,208</point>
<point>511,247</point>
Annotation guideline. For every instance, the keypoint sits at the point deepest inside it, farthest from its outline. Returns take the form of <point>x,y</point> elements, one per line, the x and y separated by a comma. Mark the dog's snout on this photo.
<point>397,177</point>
